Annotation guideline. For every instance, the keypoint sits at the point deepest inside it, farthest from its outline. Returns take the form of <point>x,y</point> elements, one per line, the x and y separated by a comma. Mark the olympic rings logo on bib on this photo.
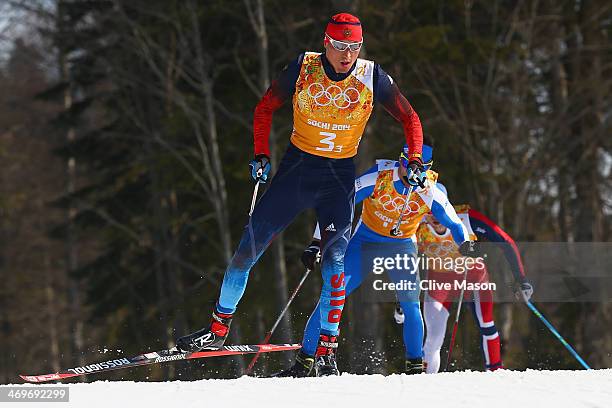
<point>341,99</point>
<point>396,204</point>
<point>440,249</point>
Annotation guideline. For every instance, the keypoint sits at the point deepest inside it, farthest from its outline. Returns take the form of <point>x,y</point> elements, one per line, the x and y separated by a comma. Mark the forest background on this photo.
<point>126,130</point>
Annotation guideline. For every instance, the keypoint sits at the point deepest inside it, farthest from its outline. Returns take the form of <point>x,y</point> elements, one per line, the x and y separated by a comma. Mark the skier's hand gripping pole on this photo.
<point>415,173</point>
<point>260,169</point>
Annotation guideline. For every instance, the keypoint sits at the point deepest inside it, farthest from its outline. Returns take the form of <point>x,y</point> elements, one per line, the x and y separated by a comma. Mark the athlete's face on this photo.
<point>341,61</point>
<point>435,224</point>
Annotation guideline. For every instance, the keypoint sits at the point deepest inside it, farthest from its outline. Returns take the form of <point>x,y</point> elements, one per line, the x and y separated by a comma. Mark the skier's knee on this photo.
<point>334,253</point>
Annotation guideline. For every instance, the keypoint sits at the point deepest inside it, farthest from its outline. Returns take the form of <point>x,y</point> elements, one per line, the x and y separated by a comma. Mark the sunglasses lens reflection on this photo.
<point>342,46</point>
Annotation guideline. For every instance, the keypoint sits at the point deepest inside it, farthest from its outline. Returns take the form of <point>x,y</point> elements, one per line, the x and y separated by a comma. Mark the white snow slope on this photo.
<point>515,389</point>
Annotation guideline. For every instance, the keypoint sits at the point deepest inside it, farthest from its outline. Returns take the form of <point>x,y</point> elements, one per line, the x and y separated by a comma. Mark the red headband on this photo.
<point>344,27</point>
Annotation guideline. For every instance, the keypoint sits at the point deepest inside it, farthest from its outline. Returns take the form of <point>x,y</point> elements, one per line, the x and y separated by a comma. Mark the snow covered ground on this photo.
<point>513,389</point>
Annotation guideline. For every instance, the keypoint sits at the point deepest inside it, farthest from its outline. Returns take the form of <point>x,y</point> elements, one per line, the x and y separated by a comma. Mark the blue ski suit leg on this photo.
<point>302,181</point>
<point>355,273</point>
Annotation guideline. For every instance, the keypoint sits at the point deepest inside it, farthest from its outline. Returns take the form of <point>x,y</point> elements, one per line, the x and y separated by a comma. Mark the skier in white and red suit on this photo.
<point>435,240</point>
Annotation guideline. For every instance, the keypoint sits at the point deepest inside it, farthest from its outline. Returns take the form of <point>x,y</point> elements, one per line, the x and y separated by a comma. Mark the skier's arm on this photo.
<point>444,212</point>
<point>388,93</point>
<point>485,227</point>
<point>364,184</point>
<point>279,91</point>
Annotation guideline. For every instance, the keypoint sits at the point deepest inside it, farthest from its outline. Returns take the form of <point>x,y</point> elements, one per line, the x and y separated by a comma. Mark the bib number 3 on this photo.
<point>328,141</point>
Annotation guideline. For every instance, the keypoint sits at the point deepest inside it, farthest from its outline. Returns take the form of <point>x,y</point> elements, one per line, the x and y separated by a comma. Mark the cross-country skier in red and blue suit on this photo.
<point>434,236</point>
<point>333,94</point>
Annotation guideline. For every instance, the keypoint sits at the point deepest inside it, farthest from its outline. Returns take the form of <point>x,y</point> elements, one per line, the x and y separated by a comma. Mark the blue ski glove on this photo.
<point>311,255</point>
<point>523,285</point>
<point>416,174</point>
<point>260,168</point>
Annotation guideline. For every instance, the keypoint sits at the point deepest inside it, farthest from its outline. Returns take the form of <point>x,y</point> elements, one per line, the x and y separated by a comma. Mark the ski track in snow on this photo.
<point>515,389</point>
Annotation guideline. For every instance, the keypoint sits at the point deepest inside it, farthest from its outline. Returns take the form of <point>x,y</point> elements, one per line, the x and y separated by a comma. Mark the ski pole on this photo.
<point>452,341</point>
<point>254,197</point>
<point>395,230</point>
<point>269,334</point>
<point>555,333</point>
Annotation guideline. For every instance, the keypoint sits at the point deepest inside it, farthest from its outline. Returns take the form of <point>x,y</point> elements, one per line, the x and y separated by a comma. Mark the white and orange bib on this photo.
<point>382,208</point>
<point>434,245</point>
